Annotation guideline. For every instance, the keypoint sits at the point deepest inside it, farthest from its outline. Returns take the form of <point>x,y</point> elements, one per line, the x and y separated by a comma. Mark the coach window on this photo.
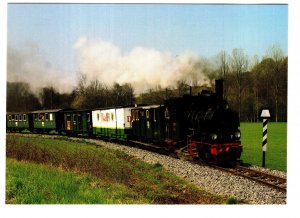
<point>147,114</point>
<point>112,116</point>
<point>137,115</point>
<point>9,117</point>
<point>24,117</point>
<point>41,117</point>
<point>74,119</point>
<point>20,117</point>
<point>46,116</point>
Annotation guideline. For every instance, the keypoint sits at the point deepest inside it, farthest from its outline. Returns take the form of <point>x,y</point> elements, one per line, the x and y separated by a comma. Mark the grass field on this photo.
<point>61,171</point>
<point>30,183</point>
<point>276,155</point>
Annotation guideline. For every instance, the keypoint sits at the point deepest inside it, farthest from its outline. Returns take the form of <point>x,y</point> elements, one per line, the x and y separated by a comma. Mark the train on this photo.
<point>201,126</point>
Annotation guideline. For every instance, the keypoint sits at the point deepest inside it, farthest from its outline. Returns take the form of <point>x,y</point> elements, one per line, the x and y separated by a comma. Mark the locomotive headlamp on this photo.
<point>213,136</point>
<point>237,134</point>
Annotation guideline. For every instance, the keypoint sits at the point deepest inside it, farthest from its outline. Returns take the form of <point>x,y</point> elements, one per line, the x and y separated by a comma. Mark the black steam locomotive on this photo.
<point>203,126</point>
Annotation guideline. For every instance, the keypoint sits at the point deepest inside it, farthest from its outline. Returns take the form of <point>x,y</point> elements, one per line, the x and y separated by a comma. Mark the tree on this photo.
<point>277,76</point>
<point>20,98</point>
<point>96,94</point>
<point>50,98</point>
<point>183,88</point>
<point>122,94</point>
<point>238,67</point>
<point>223,68</point>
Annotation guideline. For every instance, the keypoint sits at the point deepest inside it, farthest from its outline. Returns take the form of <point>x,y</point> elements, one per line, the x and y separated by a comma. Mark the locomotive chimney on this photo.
<point>219,91</point>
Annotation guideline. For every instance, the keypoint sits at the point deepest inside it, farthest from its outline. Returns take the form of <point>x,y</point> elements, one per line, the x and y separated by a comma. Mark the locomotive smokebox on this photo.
<point>219,91</point>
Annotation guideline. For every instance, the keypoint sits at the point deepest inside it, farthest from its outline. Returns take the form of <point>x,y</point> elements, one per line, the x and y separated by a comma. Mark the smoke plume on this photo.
<point>144,68</point>
<point>29,65</point>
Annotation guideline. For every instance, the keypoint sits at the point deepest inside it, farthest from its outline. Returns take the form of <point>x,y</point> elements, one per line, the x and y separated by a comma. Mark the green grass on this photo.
<point>67,170</point>
<point>276,154</point>
<point>30,183</point>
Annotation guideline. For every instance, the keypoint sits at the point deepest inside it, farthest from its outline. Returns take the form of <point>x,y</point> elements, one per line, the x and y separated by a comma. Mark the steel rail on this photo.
<point>267,179</point>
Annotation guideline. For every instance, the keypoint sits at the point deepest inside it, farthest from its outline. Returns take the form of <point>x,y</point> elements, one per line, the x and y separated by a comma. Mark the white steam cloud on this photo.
<point>144,68</point>
<point>29,65</point>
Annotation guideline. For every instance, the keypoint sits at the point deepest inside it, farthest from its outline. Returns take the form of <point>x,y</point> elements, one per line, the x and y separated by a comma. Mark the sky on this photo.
<point>43,37</point>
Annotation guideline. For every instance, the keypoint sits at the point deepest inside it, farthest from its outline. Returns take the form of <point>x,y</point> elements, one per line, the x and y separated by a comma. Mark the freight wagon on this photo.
<point>112,123</point>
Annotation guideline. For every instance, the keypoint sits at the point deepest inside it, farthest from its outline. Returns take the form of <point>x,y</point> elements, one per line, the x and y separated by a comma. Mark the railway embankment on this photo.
<point>212,181</point>
<point>59,170</point>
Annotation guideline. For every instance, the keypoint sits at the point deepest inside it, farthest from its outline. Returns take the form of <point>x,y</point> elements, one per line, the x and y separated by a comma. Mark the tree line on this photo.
<point>248,87</point>
<point>93,95</point>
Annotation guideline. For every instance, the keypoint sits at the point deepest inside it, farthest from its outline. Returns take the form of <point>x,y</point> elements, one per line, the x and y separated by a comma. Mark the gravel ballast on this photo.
<point>211,180</point>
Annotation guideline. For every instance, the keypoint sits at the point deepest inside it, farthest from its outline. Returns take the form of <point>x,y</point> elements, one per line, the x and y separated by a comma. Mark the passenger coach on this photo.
<point>19,121</point>
<point>77,122</point>
<point>47,120</point>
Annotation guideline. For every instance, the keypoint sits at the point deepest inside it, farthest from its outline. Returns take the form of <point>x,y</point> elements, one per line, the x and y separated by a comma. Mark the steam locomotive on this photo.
<point>203,126</point>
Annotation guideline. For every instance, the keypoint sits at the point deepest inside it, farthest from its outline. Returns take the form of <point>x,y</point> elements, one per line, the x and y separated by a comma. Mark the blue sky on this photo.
<point>203,29</point>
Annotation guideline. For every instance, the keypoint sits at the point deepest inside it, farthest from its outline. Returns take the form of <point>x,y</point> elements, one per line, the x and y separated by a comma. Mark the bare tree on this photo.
<point>182,87</point>
<point>276,75</point>
<point>20,97</point>
<point>223,68</point>
<point>239,66</point>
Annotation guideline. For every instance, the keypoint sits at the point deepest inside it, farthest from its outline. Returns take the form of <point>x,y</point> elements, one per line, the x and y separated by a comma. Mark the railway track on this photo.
<point>272,181</point>
<point>266,179</point>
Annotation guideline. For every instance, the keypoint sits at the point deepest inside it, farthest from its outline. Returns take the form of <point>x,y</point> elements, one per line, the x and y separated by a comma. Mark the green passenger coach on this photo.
<point>18,121</point>
<point>147,123</point>
<point>48,120</point>
<point>77,122</point>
